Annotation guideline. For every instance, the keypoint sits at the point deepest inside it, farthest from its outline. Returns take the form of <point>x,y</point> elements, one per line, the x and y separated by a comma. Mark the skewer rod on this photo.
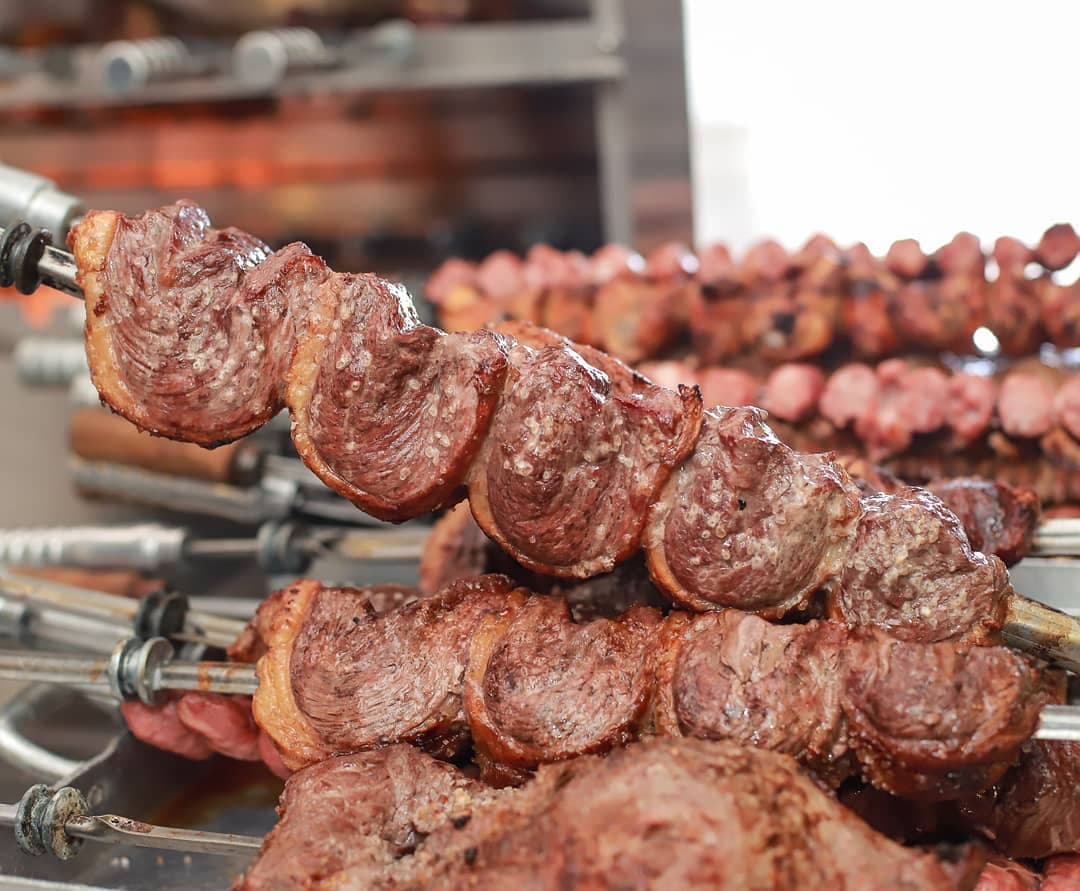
<point>121,612</point>
<point>64,670</point>
<point>112,829</point>
<point>1059,722</point>
<point>211,677</point>
<point>135,669</point>
<point>1042,631</point>
<point>121,830</point>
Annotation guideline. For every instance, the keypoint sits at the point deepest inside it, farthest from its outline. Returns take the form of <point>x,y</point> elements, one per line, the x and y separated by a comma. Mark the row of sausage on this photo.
<point>779,306</point>
<point>887,406</point>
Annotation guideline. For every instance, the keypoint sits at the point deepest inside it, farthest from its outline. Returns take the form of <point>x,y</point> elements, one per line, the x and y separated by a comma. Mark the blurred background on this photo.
<point>387,134</point>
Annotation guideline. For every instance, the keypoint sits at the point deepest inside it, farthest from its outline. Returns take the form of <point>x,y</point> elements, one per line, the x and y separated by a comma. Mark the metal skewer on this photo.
<point>27,260</point>
<point>1057,537</point>
<point>277,547</point>
<point>58,823</point>
<point>1059,722</point>
<point>136,669</point>
<point>166,615</point>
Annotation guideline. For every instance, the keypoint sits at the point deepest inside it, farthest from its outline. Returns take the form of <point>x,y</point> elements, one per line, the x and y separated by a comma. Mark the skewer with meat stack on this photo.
<point>203,334</point>
<point>486,664</point>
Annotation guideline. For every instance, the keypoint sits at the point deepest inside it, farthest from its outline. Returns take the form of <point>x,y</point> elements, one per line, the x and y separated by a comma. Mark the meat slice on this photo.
<point>501,277</point>
<point>1014,312</point>
<point>668,373</point>
<point>782,323</point>
<point>905,723</point>
<point>624,379</point>
<point>363,811</point>
<point>971,399</point>
<point>541,688</point>
<point>353,679</point>
<point>636,318</point>
<point>716,306</point>
<point>1067,405</point>
<point>568,303</point>
<point>849,394</point>
<point>1062,874</point>
<point>909,400</point>
<point>614,261</point>
<point>225,722</point>
<point>734,676</point>
<point>766,262</point>
<point>1035,810</point>
<point>937,315</point>
<point>452,274</point>
<point>1060,313</point>
<point>1025,404</point>
<point>940,590</point>
<point>816,247</point>
<point>1011,256</point>
<point>161,727</point>
<point>1058,246</point>
<point>457,548</point>
<point>906,259</point>
<point>962,256</point>
<point>728,386</point>
<point>997,518</point>
<point>570,467</point>
<point>663,814</point>
<point>189,329</point>
<point>792,391</point>
<point>1007,876</point>
<point>388,412</point>
<point>867,320</point>
<point>747,522</point>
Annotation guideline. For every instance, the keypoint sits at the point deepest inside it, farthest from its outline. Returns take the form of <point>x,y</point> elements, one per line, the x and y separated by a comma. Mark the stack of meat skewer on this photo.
<point>929,363</point>
<point>573,465</point>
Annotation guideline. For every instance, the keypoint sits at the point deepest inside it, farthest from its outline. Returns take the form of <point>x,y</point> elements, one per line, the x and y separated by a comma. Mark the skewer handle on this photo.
<point>28,260</point>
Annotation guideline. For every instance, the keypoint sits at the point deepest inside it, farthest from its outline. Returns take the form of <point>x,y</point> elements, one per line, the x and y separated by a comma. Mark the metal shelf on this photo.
<point>459,56</point>
<point>612,49</point>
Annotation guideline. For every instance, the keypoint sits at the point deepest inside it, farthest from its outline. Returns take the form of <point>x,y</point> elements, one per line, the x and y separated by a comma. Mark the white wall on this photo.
<point>872,121</point>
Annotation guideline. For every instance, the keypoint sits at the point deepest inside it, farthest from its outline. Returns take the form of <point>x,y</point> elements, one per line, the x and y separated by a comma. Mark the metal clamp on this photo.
<point>161,613</point>
<point>135,666</point>
<point>41,817</point>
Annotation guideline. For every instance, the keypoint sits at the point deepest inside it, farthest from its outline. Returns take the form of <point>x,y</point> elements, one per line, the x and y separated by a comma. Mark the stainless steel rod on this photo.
<point>121,830</point>
<point>102,608</point>
<point>1059,722</point>
<point>1043,631</point>
<point>233,678</point>
<point>67,671</point>
<point>58,270</point>
<point>80,601</point>
<point>153,675</point>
